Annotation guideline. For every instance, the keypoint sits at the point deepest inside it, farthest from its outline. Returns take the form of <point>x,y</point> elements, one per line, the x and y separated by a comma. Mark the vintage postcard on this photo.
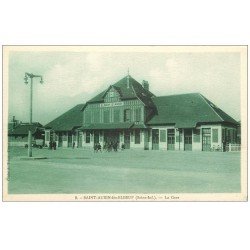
<point>125,123</point>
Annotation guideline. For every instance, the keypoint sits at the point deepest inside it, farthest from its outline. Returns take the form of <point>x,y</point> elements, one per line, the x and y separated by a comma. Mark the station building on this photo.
<point>128,113</point>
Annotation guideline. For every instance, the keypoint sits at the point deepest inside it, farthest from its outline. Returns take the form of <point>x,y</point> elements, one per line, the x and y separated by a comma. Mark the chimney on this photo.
<point>145,85</point>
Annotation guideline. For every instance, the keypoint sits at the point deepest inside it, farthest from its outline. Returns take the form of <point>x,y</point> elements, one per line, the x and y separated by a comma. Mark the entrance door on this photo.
<point>188,139</point>
<point>79,140</point>
<point>96,137</point>
<point>111,136</point>
<point>127,139</point>
<point>206,139</point>
<point>69,140</point>
<point>155,139</point>
<point>146,139</point>
<point>60,140</point>
<point>171,139</point>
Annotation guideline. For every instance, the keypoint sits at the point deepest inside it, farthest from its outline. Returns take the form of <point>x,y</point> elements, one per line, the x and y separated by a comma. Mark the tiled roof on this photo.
<point>134,91</point>
<point>187,110</point>
<point>23,128</point>
<point>69,120</point>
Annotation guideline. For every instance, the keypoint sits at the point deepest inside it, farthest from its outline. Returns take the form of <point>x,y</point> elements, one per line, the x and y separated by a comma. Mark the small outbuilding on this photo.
<point>18,136</point>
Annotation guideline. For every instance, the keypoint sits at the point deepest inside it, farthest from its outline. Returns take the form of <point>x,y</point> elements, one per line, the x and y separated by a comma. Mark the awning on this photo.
<point>101,126</point>
<point>139,126</point>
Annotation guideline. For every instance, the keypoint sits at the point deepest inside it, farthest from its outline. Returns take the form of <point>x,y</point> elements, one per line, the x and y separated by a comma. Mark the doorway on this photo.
<point>206,139</point>
<point>96,137</point>
<point>188,139</point>
<point>127,139</point>
<point>171,139</point>
<point>111,136</point>
<point>155,139</point>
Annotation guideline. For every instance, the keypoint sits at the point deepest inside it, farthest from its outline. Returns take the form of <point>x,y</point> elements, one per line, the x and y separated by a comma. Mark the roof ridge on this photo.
<point>206,100</point>
<point>197,93</point>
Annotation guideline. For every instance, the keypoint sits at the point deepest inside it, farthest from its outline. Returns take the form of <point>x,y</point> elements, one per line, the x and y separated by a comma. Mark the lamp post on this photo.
<point>26,77</point>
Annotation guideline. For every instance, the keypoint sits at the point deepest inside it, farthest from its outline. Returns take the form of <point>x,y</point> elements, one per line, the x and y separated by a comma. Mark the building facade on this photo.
<point>128,114</point>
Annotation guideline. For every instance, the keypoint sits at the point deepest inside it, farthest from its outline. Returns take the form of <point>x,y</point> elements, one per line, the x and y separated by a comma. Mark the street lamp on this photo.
<point>26,77</point>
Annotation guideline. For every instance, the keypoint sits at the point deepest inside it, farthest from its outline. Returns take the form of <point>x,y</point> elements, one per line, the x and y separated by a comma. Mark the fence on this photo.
<point>233,147</point>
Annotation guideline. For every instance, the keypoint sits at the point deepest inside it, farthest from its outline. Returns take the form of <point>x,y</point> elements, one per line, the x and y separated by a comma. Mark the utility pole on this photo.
<point>26,77</point>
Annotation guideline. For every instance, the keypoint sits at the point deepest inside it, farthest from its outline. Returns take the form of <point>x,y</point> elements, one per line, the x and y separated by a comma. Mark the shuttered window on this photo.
<point>215,134</point>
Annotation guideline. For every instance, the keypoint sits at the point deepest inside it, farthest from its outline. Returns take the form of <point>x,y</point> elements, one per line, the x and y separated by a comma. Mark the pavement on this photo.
<point>130,171</point>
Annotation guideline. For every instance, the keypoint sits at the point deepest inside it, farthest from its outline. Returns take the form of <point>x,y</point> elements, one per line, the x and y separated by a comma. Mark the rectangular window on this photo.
<point>106,116</point>
<point>137,136</point>
<point>163,136</point>
<point>197,136</point>
<point>87,115</point>
<point>127,115</point>
<point>87,137</point>
<point>215,134</point>
<point>116,115</point>
<point>138,114</point>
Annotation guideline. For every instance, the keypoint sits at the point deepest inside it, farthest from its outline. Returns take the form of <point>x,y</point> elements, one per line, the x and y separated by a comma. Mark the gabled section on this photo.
<point>113,94</point>
<point>223,116</point>
<point>128,88</point>
<point>187,110</point>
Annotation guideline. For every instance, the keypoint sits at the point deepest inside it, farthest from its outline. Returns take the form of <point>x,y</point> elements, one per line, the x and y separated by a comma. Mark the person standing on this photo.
<point>50,145</point>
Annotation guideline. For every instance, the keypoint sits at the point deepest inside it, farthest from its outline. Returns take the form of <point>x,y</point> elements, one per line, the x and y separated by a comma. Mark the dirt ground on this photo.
<point>68,171</point>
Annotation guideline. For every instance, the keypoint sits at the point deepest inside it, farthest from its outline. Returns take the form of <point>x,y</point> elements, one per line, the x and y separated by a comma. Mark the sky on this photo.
<point>71,78</point>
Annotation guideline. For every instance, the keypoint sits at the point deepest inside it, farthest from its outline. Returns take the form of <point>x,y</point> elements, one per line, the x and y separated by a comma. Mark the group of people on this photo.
<point>52,145</point>
<point>112,145</point>
<point>108,146</point>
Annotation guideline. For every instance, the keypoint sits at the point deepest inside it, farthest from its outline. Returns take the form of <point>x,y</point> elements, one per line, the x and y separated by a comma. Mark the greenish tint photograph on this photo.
<point>125,123</point>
